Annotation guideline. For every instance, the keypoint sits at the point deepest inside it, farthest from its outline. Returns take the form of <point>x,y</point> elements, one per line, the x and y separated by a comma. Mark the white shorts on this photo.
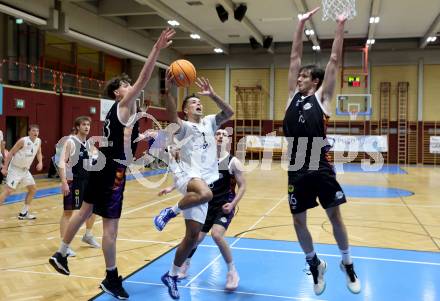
<point>197,213</point>
<point>17,175</point>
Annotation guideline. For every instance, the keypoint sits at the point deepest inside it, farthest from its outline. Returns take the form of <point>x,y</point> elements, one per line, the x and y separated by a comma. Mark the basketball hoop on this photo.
<point>331,9</point>
<point>353,114</point>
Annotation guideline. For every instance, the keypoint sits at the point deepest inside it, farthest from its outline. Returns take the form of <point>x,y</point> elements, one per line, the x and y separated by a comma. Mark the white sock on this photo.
<point>111,268</point>
<point>89,232</point>
<point>176,209</point>
<point>346,257</point>
<point>231,266</point>
<point>63,249</point>
<point>309,256</point>
<point>25,209</point>
<point>174,270</point>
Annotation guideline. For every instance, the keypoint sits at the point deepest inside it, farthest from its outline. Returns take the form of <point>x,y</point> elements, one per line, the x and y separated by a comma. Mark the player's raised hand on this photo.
<point>169,80</point>
<point>342,18</point>
<point>205,87</point>
<point>308,15</point>
<point>165,38</point>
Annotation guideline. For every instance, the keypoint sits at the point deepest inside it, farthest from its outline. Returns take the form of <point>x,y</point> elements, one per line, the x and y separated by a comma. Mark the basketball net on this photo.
<point>331,9</point>
<point>353,115</point>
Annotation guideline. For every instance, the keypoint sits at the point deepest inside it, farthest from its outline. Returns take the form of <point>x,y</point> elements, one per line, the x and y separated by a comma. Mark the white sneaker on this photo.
<point>90,240</point>
<point>27,215</point>
<point>353,282</point>
<point>232,280</point>
<point>318,277</point>
<point>70,252</point>
<point>183,273</point>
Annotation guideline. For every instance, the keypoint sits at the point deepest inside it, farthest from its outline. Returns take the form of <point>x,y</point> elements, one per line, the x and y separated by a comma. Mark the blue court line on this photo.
<point>273,270</point>
<point>45,192</point>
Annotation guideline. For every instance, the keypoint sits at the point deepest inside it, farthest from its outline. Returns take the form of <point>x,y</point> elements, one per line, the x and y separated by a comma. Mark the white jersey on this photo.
<point>198,154</point>
<point>24,157</point>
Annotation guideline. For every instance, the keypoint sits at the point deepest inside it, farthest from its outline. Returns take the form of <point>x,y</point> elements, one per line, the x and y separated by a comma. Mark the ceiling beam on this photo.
<point>113,8</point>
<point>432,31</point>
<point>167,13</point>
<point>374,12</point>
<point>146,22</point>
<point>190,44</point>
<point>154,34</point>
<point>302,8</point>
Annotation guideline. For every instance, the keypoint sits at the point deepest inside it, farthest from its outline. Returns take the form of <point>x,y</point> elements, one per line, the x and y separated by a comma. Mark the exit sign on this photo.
<point>19,103</point>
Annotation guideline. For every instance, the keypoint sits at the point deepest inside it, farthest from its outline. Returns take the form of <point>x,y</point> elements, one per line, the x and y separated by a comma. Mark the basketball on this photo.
<point>183,72</point>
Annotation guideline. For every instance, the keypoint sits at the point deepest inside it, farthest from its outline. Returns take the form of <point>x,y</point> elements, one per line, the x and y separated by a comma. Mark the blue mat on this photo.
<point>273,270</point>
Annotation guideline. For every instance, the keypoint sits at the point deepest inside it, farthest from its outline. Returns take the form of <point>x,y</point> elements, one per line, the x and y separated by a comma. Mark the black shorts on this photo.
<point>216,216</point>
<point>305,187</point>
<point>106,190</point>
<point>74,199</point>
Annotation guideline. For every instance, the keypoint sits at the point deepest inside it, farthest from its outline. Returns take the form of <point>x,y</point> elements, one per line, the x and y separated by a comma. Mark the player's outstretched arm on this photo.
<point>237,169</point>
<point>17,146</point>
<point>145,74</point>
<point>171,102</point>
<point>206,90</point>
<point>329,82</point>
<point>296,53</point>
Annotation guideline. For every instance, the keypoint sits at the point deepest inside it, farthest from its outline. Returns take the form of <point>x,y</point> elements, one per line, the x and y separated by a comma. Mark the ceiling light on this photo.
<point>371,41</point>
<point>173,23</point>
<point>431,39</point>
<point>218,50</point>
<point>374,20</point>
<point>194,36</point>
<point>309,32</point>
<point>316,48</point>
<point>18,21</point>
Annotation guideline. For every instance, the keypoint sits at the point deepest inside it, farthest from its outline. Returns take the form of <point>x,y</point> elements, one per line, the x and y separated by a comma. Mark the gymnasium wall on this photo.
<point>431,93</point>
<point>392,74</point>
<point>250,78</point>
<point>55,114</point>
<point>395,74</point>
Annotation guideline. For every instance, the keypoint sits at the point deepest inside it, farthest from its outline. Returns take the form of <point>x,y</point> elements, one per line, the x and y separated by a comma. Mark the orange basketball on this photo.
<point>183,72</point>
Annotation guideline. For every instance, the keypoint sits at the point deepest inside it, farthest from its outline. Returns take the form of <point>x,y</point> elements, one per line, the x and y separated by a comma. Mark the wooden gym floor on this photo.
<point>406,223</point>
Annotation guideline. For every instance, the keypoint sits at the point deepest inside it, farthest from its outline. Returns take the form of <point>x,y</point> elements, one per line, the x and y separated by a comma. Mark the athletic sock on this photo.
<point>346,257</point>
<point>174,270</point>
<point>176,209</point>
<point>63,249</point>
<point>25,209</point>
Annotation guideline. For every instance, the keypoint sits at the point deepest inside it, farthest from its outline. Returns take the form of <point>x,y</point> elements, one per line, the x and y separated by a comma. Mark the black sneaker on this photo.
<point>113,286</point>
<point>59,263</point>
<point>171,283</point>
<point>317,269</point>
<point>353,282</point>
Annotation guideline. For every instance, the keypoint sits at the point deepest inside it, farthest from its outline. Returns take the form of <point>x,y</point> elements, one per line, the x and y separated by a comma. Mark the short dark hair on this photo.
<point>79,120</point>
<point>315,72</point>
<point>33,126</point>
<point>185,102</point>
<point>114,84</point>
